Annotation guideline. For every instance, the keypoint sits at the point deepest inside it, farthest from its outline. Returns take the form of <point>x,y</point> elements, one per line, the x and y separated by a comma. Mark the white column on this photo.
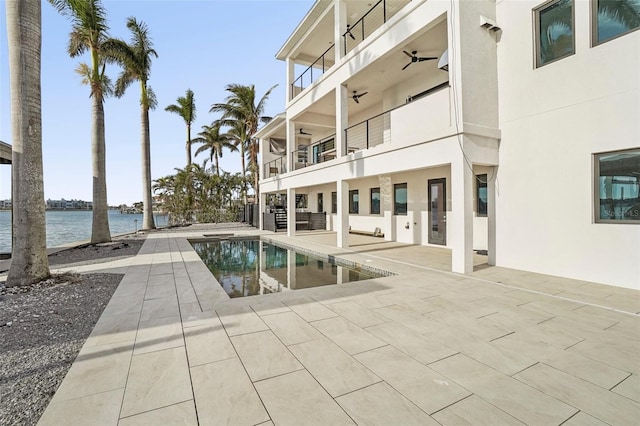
<point>460,218</point>
<point>342,188</point>
<point>291,144</point>
<point>340,26</point>
<point>289,80</point>
<point>261,210</point>
<point>491,215</point>
<point>291,270</point>
<point>291,212</point>
<point>341,119</point>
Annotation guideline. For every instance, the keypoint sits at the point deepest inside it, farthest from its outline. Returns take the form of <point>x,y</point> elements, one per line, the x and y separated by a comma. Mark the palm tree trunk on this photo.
<point>100,228</point>
<point>188,146</point>
<point>29,253</point>
<point>217,165</point>
<point>147,204</point>
<point>244,173</point>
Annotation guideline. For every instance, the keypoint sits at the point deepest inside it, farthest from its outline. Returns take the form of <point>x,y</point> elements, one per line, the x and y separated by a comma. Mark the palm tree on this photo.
<point>29,249</point>
<point>214,142</point>
<point>136,60</point>
<point>238,135</point>
<point>89,33</point>
<point>240,107</point>
<point>185,108</point>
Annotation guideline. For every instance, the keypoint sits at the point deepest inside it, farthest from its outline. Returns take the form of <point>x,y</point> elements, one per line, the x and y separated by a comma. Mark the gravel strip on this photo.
<point>43,327</point>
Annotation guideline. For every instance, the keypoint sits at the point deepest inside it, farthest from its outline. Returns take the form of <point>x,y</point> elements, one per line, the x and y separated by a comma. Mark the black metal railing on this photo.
<point>314,71</point>
<point>275,167</point>
<point>377,129</point>
<point>373,19</point>
<point>300,158</point>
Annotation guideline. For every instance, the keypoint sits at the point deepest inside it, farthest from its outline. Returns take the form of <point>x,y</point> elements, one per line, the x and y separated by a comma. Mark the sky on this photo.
<point>202,45</point>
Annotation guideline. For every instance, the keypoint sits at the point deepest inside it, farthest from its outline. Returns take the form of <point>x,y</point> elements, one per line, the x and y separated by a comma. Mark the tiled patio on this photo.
<point>425,346</point>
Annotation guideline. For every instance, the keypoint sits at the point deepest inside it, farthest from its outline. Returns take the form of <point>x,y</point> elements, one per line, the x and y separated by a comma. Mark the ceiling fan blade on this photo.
<point>405,67</point>
<point>429,58</point>
<point>362,94</point>
<point>408,54</point>
<point>355,98</point>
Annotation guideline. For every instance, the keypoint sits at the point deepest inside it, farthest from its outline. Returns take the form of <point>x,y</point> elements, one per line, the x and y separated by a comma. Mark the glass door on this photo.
<point>437,212</point>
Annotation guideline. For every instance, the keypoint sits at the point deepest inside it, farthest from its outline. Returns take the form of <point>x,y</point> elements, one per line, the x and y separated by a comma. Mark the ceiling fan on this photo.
<point>357,96</point>
<point>302,132</point>
<point>415,58</point>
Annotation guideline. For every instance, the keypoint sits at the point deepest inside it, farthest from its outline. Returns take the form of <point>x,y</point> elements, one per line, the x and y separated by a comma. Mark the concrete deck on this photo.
<point>425,346</point>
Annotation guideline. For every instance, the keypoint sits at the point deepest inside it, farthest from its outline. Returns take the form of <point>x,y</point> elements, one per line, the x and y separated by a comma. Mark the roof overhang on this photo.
<point>274,124</point>
<point>303,27</point>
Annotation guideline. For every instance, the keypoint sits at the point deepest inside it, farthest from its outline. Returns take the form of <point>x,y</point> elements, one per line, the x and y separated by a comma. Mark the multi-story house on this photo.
<point>506,126</point>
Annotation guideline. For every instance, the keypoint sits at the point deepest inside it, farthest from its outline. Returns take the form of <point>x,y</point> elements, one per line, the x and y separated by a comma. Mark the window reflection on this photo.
<point>614,18</point>
<point>618,186</point>
<point>554,31</point>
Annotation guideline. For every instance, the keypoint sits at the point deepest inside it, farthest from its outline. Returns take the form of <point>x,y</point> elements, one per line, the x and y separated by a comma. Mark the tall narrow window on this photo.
<point>400,199</point>
<point>481,195</point>
<point>613,18</point>
<point>554,31</point>
<point>334,202</point>
<point>320,202</point>
<point>617,187</point>
<point>375,201</point>
<point>354,201</point>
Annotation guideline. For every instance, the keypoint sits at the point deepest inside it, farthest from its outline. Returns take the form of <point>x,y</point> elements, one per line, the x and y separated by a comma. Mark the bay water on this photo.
<point>69,226</point>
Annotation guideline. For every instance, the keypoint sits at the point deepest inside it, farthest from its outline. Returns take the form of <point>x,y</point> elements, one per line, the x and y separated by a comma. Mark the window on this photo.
<point>481,195</point>
<point>320,202</point>
<point>400,199</point>
<point>617,187</point>
<point>301,201</point>
<point>353,201</point>
<point>375,201</point>
<point>334,202</point>
<point>613,18</point>
<point>554,31</point>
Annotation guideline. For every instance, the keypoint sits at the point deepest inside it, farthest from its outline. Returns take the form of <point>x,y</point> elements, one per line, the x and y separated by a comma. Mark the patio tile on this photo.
<point>160,291</point>
<point>97,369</point>
<point>120,305</point>
<point>296,399</point>
<point>164,279</point>
<point>411,343</point>
<point>347,335</point>
<point>240,320</point>
<point>576,365</point>
<point>380,404</point>
<point>269,307</point>
<point>182,414</point>
<point>523,402</point>
<point>405,316</point>
<point>157,334</point>
<point>224,395</point>
<point>160,308</point>
<point>263,355</point>
<point>600,403</point>
<point>583,419</point>
<point>290,328</point>
<point>424,387</point>
<point>309,309</point>
<point>357,314</point>
<point>157,379</point>
<point>208,343</point>
<point>474,411</point>
<point>630,388</point>
<point>99,409</point>
<point>336,371</point>
<point>118,328</point>
<point>622,355</point>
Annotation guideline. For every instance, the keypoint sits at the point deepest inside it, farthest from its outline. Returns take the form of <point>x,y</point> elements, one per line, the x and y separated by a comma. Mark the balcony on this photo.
<point>313,72</point>
<point>275,167</point>
<point>372,19</point>
<point>319,152</point>
<point>421,115</point>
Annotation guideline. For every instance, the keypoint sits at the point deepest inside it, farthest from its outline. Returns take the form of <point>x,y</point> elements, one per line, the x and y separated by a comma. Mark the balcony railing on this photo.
<point>320,152</point>
<point>275,167</point>
<point>314,71</point>
<point>377,129</point>
<point>373,19</point>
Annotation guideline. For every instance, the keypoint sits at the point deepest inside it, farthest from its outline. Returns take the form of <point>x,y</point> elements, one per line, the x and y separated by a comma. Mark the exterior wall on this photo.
<point>553,119</point>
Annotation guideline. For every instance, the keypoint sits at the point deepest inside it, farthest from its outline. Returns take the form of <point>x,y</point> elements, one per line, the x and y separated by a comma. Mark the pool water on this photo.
<point>249,267</point>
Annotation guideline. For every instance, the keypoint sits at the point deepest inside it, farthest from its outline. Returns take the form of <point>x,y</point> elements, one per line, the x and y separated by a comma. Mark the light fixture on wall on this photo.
<point>443,62</point>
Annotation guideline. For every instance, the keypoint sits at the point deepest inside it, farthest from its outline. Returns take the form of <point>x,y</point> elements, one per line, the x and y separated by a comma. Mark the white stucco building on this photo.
<point>506,126</point>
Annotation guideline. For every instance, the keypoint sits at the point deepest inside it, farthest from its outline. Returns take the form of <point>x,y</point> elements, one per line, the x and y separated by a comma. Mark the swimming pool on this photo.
<point>249,267</point>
